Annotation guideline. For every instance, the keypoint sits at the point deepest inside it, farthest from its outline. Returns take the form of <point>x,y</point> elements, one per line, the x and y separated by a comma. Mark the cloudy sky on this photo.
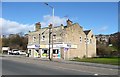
<point>101,17</point>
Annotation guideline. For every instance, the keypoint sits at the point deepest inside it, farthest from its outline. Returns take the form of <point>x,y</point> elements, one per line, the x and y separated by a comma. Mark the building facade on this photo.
<point>68,42</point>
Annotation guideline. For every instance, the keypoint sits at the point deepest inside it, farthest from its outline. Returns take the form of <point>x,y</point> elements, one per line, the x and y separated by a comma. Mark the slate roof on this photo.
<point>87,32</point>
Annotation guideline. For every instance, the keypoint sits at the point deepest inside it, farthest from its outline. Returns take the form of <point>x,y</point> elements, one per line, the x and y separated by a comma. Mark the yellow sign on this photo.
<point>43,46</point>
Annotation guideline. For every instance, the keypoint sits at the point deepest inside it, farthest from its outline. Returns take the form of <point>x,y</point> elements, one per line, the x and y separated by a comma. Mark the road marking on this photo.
<point>96,74</point>
<point>111,69</point>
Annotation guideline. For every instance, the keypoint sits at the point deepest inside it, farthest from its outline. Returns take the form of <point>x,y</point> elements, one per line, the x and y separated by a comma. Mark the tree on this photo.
<point>15,42</point>
<point>5,42</point>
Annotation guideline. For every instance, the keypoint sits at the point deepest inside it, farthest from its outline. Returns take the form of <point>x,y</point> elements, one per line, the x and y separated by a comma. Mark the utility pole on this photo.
<point>51,27</point>
<point>50,32</point>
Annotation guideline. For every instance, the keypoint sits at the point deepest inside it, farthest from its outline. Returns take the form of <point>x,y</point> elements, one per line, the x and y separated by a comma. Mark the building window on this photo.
<point>80,39</point>
<point>39,38</point>
<point>92,36</point>
<point>90,41</point>
<point>34,39</point>
<point>43,37</point>
<point>86,40</point>
<point>54,36</point>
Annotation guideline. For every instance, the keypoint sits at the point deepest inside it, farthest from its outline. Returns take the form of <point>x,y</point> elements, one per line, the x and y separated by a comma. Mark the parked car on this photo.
<point>15,52</point>
<point>22,52</point>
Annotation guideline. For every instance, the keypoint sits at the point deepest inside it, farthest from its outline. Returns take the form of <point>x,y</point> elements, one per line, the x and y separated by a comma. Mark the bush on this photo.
<point>104,51</point>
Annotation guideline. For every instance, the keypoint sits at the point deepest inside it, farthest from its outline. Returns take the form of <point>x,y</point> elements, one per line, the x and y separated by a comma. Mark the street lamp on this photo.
<point>51,27</point>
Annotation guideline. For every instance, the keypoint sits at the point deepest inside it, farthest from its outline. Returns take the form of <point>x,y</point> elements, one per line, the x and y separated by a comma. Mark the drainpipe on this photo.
<point>86,46</point>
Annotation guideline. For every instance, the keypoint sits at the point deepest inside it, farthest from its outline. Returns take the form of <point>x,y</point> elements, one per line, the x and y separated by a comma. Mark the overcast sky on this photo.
<point>101,17</point>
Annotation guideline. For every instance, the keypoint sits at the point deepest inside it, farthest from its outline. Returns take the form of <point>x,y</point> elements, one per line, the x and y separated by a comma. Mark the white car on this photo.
<point>17,52</point>
<point>22,52</point>
<point>14,52</point>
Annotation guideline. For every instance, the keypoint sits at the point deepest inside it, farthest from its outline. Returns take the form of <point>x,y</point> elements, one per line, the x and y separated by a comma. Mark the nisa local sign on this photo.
<point>68,45</point>
<point>37,46</point>
<point>33,46</point>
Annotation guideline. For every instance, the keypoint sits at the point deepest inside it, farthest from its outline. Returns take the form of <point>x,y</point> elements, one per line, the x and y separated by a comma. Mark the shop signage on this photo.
<point>65,49</point>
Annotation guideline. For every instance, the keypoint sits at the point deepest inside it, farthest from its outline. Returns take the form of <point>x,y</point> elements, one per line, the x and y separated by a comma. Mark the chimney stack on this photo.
<point>69,22</point>
<point>37,26</point>
<point>50,26</point>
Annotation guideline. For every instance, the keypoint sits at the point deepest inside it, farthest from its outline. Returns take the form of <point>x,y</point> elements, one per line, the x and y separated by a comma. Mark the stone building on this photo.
<point>68,42</point>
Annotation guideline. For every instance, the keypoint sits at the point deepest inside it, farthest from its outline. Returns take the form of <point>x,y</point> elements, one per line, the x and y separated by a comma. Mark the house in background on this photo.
<point>5,50</point>
<point>68,42</point>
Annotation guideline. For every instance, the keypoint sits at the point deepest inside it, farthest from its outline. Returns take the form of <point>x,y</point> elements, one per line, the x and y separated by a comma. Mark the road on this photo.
<point>30,66</point>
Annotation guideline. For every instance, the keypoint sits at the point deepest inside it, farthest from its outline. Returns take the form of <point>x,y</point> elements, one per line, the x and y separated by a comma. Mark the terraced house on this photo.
<point>68,42</point>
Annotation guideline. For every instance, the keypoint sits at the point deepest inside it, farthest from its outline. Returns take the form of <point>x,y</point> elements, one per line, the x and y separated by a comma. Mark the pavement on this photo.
<point>88,64</point>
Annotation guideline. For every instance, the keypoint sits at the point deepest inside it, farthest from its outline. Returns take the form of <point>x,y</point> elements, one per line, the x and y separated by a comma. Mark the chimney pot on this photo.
<point>37,26</point>
<point>69,22</point>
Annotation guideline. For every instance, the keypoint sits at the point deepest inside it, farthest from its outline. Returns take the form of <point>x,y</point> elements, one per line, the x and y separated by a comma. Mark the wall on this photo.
<point>72,36</point>
<point>91,45</point>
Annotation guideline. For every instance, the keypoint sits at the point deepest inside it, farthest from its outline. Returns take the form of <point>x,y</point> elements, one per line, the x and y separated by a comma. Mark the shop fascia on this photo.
<point>54,46</point>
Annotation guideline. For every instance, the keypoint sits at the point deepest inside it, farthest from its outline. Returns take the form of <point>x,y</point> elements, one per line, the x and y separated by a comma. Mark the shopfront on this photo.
<point>42,51</point>
<point>45,53</point>
<point>33,51</point>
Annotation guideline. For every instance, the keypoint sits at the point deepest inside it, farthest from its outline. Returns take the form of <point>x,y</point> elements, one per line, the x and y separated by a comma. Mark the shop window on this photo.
<point>44,51</point>
<point>55,51</point>
<point>37,51</point>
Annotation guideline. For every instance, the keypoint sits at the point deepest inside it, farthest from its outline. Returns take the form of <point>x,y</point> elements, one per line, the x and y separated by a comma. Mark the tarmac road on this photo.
<point>28,66</point>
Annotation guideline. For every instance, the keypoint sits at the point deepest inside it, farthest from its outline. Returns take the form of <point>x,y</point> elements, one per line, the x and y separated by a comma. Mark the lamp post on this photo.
<point>51,28</point>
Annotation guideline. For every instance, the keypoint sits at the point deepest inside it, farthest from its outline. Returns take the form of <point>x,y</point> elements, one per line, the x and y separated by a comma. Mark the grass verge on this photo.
<point>110,60</point>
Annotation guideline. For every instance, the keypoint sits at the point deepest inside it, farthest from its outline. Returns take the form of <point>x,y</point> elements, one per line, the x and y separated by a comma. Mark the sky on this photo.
<point>101,17</point>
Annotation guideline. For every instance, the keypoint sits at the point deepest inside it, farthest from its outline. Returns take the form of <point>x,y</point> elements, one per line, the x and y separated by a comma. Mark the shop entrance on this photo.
<point>56,53</point>
<point>44,53</point>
